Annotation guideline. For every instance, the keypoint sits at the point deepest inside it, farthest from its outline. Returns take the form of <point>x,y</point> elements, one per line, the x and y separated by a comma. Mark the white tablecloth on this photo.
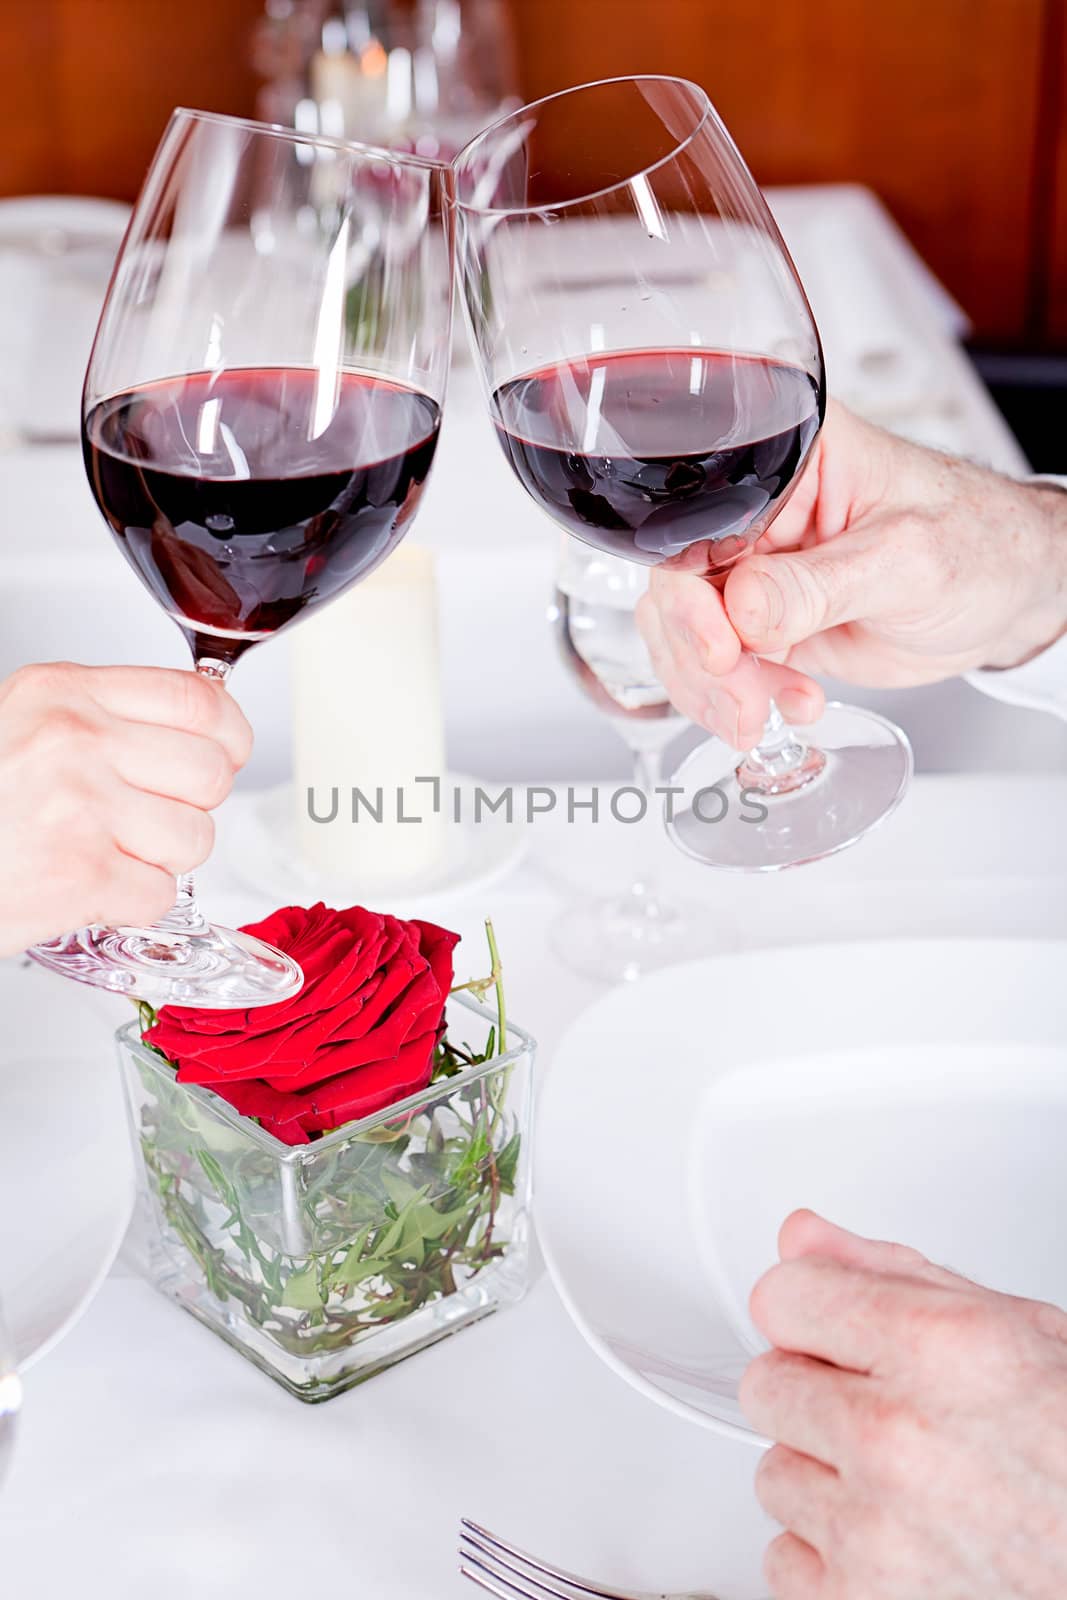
<point>153,1461</point>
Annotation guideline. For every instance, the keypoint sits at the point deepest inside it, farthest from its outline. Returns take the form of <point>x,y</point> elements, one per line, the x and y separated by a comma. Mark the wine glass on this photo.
<point>601,648</point>
<point>656,381</point>
<point>260,414</point>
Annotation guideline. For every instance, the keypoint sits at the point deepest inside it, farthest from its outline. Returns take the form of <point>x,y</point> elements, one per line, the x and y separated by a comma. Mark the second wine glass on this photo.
<point>639,929</point>
<point>656,381</point>
<point>260,415</point>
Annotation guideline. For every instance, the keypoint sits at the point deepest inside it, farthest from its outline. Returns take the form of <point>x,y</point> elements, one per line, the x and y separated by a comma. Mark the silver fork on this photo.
<point>510,1574</point>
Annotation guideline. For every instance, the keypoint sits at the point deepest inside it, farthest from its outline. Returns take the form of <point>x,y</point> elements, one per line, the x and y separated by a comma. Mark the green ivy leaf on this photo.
<point>302,1291</point>
<point>352,1270</point>
<point>507,1163</point>
<point>432,1223</point>
<point>401,1193</point>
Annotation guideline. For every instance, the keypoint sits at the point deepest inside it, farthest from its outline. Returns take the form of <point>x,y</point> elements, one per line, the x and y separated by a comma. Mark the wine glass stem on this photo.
<point>648,774</point>
<point>185,915</point>
<point>648,769</point>
<point>782,762</point>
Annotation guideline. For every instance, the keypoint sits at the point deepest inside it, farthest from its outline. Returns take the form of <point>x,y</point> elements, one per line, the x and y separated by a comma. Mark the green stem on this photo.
<point>497,974</point>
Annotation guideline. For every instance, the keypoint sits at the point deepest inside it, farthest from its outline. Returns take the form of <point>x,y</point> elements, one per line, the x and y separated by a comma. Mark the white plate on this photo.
<point>911,1090</point>
<point>66,1176</point>
<point>257,843</point>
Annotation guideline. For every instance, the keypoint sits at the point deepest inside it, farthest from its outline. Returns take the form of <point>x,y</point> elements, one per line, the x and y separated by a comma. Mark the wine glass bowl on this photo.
<point>260,415</point>
<point>655,378</point>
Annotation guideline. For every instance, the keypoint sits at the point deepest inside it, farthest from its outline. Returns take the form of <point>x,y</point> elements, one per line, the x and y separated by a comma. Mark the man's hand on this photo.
<point>921,1427</point>
<point>889,565</point>
<point>107,775</point>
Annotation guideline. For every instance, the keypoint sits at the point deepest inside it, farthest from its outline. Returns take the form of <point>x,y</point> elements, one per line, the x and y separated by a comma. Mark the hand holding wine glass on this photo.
<point>656,381</point>
<point>260,415</point>
<point>108,777</point>
<point>887,567</point>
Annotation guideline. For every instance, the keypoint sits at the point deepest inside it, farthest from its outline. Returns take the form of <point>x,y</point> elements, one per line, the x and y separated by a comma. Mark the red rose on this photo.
<point>358,1036</point>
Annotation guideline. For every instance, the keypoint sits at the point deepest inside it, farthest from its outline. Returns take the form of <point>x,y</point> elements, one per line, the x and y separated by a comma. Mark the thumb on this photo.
<point>777,601</point>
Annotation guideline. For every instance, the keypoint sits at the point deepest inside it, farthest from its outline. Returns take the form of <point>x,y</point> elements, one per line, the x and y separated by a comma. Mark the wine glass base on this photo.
<point>622,938</point>
<point>867,770</point>
<point>216,968</point>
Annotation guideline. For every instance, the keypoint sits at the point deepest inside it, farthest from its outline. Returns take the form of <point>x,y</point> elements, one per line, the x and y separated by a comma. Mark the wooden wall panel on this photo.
<point>942,106</point>
<point>934,103</point>
<point>1051,273</point>
<point>87,85</point>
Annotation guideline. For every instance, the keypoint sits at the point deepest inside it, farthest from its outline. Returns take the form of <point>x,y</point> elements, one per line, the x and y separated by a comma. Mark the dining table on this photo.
<point>150,1459</point>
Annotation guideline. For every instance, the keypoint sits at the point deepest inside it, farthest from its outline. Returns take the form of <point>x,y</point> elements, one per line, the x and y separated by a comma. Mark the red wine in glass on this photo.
<point>644,453</point>
<point>244,498</point>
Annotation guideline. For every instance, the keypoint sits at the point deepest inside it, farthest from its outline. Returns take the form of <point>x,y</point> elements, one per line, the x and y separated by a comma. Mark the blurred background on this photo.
<point>953,111</point>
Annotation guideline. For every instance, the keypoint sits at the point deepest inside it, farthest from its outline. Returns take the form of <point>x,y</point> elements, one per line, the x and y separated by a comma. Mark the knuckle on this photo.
<point>961,1328</point>
<point>1047,1320</point>
<point>772,1470</point>
<point>780,1566</point>
<point>40,678</point>
<point>892,1440</point>
<point>61,730</point>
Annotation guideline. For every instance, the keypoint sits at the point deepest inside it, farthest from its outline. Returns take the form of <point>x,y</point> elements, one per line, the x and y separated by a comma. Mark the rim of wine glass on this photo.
<point>709,113</point>
<point>351,147</point>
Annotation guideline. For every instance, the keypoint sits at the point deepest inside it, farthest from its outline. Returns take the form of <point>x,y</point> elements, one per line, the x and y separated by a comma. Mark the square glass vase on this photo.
<point>329,1262</point>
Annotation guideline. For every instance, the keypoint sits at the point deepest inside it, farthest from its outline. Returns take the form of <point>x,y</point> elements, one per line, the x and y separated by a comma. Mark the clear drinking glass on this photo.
<point>656,380</point>
<point>260,415</point>
<point>601,648</point>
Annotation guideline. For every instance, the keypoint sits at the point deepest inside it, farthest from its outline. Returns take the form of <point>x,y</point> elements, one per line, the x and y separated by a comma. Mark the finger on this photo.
<point>793,1570</point>
<point>134,894</point>
<point>843,1314</point>
<point>805,1233</point>
<point>168,761</point>
<point>173,699</point>
<point>803,1403</point>
<point>799,1492</point>
<point>735,707</point>
<point>160,832</point>
<point>776,601</point>
<point>694,621</point>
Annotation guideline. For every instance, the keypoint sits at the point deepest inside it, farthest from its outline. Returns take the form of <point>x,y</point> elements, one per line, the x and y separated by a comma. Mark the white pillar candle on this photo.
<point>368,721</point>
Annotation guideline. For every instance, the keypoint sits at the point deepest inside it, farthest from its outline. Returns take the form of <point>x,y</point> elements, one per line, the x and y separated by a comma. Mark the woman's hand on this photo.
<point>889,565</point>
<point>920,1425</point>
<point>107,776</point>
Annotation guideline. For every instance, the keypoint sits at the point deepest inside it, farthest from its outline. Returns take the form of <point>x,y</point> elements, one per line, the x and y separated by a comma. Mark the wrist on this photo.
<point>1042,546</point>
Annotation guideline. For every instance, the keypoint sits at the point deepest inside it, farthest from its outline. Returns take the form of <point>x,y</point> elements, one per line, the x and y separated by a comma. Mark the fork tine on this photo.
<point>504,1555</point>
<point>501,1583</point>
<point>480,1575</point>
